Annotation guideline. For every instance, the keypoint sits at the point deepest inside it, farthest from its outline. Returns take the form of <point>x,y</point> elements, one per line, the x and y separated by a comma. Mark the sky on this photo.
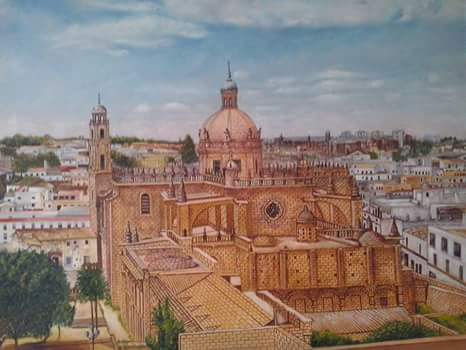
<point>302,67</point>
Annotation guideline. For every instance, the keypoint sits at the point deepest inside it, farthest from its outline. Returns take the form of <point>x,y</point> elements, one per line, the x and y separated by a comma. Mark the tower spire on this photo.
<point>98,98</point>
<point>229,70</point>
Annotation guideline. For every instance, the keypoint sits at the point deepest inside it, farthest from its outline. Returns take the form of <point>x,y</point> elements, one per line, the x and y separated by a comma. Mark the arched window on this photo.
<point>145,204</point>
<point>102,162</point>
<point>102,133</point>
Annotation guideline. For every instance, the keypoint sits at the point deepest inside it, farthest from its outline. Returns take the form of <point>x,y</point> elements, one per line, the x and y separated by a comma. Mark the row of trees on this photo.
<point>394,330</point>
<point>19,140</point>
<point>35,295</point>
<point>23,162</point>
<point>127,140</point>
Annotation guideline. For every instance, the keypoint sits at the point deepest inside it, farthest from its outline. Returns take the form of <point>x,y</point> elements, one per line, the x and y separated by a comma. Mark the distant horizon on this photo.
<point>302,68</point>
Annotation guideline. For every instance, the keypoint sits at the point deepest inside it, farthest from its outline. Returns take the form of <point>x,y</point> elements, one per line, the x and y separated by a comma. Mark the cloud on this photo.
<point>175,107</point>
<point>240,74</point>
<point>119,5</point>
<point>337,74</point>
<point>142,108</point>
<point>316,14</point>
<point>116,36</point>
<point>279,82</point>
<point>433,77</point>
<point>376,83</point>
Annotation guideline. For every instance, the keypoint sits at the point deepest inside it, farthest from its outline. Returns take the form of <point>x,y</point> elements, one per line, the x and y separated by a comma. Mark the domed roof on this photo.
<point>236,121</point>
<point>230,85</point>
<point>99,109</point>
<point>305,216</point>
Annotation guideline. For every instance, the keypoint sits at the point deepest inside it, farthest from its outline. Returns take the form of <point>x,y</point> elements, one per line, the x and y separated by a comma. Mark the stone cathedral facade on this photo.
<point>236,246</point>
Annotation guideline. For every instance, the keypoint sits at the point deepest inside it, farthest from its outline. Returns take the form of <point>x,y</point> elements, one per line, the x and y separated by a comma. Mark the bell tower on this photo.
<point>100,169</point>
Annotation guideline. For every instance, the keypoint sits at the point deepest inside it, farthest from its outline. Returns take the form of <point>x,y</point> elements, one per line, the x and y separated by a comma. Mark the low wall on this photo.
<point>265,338</point>
<point>420,320</point>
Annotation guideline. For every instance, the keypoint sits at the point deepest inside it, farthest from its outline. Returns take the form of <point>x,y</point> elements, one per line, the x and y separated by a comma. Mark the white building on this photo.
<point>446,254</point>
<point>22,220</point>
<point>28,197</point>
<point>414,249</point>
<point>70,248</point>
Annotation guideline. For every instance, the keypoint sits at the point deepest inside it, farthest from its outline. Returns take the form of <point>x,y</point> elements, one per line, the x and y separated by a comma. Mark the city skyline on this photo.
<point>300,69</point>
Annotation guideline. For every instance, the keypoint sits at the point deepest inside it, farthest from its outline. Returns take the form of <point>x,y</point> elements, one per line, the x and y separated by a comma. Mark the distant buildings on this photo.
<point>69,247</point>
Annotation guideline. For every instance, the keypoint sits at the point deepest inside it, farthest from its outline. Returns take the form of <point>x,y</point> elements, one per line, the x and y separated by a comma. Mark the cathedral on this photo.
<point>237,247</point>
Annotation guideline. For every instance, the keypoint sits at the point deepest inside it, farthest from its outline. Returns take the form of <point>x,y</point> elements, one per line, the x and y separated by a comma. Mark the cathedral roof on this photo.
<point>238,123</point>
<point>99,109</point>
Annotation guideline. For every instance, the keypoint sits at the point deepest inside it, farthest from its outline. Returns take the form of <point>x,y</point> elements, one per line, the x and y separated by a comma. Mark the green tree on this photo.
<point>398,330</point>
<point>8,151</point>
<point>32,290</point>
<point>373,155</point>
<point>188,150</point>
<point>64,316</point>
<point>168,328</point>
<point>91,288</point>
<point>123,161</point>
<point>327,338</point>
<point>23,162</point>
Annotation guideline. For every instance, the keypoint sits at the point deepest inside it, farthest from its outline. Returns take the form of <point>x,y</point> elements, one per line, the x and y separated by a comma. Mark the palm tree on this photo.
<point>91,287</point>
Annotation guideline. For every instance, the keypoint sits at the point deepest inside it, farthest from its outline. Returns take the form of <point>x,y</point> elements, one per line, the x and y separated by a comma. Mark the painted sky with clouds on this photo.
<point>301,66</point>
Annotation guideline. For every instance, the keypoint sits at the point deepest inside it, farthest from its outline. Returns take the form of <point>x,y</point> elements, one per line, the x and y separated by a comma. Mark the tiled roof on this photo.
<point>215,304</point>
<point>357,321</point>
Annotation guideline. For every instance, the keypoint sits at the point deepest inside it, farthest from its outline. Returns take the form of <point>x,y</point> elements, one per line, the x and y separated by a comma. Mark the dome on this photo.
<point>99,109</point>
<point>230,85</point>
<point>305,216</point>
<point>238,123</point>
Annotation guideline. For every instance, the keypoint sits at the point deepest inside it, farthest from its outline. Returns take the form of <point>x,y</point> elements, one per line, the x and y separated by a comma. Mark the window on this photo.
<point>68,260</point>
<point>68,243</point>
<point>5,236</point>
<point>102,162</point>
<point>432,240</point>
<point>216,166</point>
<point>86,242</point>
<point>406,241</point>
<point>444,245</point>
<point>460,273</point>
<point>447,266</point>
<point>102,133</point>
<point>86,259</point>
<point>435,259</point>
<point>457,249</point>
<point>420,268</point>
<point>419,249</point>
<point>145,204</point>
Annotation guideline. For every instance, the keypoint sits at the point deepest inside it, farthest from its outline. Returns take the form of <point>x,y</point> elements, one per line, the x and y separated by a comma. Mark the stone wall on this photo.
<point>446,301</point>
<point>325,268</point>
<point>266,338</point>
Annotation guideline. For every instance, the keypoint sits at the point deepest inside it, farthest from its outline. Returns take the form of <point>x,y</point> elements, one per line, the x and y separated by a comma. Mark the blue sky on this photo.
<point>301,66</point>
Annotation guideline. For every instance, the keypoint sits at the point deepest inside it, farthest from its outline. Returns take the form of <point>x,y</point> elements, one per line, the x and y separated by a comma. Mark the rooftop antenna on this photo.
<point>229,71</point>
